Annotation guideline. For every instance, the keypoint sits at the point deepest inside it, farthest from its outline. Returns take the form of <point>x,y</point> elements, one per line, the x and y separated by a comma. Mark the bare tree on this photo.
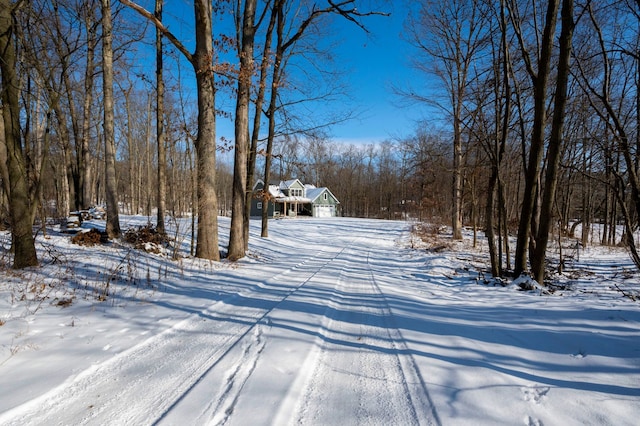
<point>265,63</point>
<point>19,203</point>
<point>111,184</point>
<point>555,143</point>
<point>610,107</point>
<point>85,174</point>
<point>160,130</point>
<point>202,62</point>
<point>496,146</point>
<point>450,35</point>
<point>540,79</point>
<point>245,41</point>
<point>289,32</point>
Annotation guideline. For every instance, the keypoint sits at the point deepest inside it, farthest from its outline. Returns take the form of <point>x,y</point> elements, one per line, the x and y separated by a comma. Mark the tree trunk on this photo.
<point>205,144</point>
<point>490,225</point>
<point>4,160</point>
<point>271,112</point>
<point>148,155</point>
<point>264,68</point>
<point>111,183</point>
<point>586,198</point>
<point>71,169</point>
<point>532,175</point>
<point>207,244</point>
<point>19,202</point>
<point>85,188</point>
<point>162,156</point>
<point>245,45</point>
<point>133,158</point>
<point>555,143</point>
<point>456,224</point>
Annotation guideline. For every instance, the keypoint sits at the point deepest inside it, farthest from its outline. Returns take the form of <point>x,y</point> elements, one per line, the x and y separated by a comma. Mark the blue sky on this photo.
<point>373,62</point>
<point>378,62</point>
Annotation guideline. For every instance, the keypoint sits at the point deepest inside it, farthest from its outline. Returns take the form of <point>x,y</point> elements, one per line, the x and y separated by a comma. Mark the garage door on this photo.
<point>323,211</point>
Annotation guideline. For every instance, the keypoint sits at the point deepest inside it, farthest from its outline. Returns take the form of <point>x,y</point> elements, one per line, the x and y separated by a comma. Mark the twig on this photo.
<point>625,294</point>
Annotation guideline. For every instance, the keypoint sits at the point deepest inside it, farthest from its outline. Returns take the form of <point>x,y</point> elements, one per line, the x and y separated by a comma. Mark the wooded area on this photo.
<point>535,127</point>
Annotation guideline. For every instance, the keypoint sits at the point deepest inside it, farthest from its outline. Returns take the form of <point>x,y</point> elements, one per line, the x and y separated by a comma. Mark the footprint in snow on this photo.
<point>531,421</point>
<point>535,394</point>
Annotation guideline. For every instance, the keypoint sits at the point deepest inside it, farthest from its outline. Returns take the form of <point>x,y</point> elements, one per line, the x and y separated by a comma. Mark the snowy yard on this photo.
<point>328,322</point>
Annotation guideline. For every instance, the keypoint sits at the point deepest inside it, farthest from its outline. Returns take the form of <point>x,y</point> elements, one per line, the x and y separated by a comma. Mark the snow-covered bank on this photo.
<point>329,321</point>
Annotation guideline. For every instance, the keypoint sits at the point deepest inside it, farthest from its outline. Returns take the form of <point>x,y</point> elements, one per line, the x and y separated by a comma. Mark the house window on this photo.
<point>325,196</point>
<point>259,206</point>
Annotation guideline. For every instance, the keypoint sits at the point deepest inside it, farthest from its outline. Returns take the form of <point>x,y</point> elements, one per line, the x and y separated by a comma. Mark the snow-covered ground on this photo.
<point>327,322</point>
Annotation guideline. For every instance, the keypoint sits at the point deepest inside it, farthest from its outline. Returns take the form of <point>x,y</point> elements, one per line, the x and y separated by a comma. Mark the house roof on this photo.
<point>276,192</point>
<point>314,193</point>
<point>286,184</point>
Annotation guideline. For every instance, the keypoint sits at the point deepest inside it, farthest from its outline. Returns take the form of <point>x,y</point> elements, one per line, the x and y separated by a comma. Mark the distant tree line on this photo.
<point>534,127</point>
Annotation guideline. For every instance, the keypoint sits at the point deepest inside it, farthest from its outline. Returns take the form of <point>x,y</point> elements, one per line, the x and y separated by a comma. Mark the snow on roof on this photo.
<point>275,191</point>
<point>294,199</point>
<point>312,192</point>
<point>285,184</point>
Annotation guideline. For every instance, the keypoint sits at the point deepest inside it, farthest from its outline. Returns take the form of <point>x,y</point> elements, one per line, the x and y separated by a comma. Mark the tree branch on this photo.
<point>160,26</point>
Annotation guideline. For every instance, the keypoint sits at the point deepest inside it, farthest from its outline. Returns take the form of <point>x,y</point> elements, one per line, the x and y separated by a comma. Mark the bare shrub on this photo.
<point>146,238</point>
<point>90,238</point>
<point>430,237</point>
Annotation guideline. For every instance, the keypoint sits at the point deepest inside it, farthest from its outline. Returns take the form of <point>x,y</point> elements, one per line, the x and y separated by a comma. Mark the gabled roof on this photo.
<point>258,183</point>
<point>314,193</point>
<point>276,191</point>
<point>286,184</point>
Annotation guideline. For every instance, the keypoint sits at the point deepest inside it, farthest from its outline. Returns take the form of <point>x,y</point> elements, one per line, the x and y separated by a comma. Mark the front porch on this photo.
<point>292,208</point>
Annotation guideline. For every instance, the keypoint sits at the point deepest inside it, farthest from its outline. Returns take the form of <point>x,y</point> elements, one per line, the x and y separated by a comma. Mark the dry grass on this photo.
<point>430,237</point>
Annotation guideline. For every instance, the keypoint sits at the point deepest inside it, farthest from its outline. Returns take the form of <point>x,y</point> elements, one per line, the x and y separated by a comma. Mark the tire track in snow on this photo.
<point>142,384</point>
<point>361,370</point>
<point>236,378</point>
<point>219,410</point>
<point>416,387</point>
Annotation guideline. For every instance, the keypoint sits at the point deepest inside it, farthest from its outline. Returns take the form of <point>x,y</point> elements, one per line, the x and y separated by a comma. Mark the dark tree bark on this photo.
<point>23,243</point>
<point>540,79</point>
<point>160,135</point>
<point>246,37</point>
<point>111,182</point>
<point>502,72</point>
<point>271,112</point>
<point>555,143</point>
<point>202,61</point>
<point>255,133</point>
